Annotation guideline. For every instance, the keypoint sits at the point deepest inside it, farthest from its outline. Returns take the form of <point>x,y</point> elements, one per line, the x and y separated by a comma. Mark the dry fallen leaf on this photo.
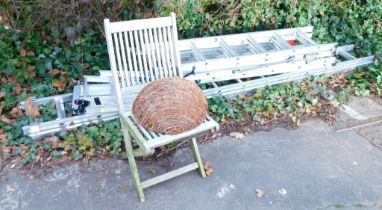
<point>30,72</point>
<point>31,108</point>
<point>24,153</point>
<point>17,90</point>
<point>5,119</point>
<point>3,138</point>
<point>4,141</point>
<point>59,84</point>
<point>30,53</point>
<point>209,171</point>
<point>54,141</point>
<point>23,52</point>
<point>54,72</point>
<point>10,189</point>
<point>152,171</point>
<point>257,95</point>
<point>125,186</point>
<point>2,104</point>
<point>259,193</point>
<point>237,135</point>
<point>15,112</point>
<point>206,165</point>
<point>6,149</point>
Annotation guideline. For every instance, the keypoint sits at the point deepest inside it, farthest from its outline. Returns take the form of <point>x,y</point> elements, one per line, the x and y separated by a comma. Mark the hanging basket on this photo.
<point>170,105</point>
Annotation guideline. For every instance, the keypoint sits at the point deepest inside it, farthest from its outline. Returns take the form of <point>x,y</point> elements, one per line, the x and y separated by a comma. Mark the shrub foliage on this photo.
<point>47,46</point>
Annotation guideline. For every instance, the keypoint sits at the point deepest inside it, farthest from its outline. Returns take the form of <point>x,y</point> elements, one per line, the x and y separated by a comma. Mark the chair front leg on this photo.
<point>132,163</point>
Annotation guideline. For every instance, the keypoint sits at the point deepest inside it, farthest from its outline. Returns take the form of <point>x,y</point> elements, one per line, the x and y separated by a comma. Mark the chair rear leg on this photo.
<point>133,164</point>
<point>198,159</point>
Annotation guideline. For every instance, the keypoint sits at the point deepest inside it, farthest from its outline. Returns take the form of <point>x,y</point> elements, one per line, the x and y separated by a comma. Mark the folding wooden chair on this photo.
<point>141,51</point>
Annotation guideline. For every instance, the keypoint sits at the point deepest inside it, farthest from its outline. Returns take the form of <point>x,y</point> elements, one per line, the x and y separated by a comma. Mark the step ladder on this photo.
<point>224,65</point>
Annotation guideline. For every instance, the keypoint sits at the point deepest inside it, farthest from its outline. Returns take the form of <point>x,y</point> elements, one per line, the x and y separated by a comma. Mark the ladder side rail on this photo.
<point>66,98</point>
<point>339,67</point>
<point>237,39</point>
<point>262,71</point>
<point>257,59</point>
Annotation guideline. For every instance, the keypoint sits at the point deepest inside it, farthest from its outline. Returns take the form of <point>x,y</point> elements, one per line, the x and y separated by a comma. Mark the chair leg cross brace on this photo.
<point>161,178</point>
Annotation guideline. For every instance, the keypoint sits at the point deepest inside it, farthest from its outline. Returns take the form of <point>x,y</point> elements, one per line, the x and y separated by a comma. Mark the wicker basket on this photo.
<point>171,106</point>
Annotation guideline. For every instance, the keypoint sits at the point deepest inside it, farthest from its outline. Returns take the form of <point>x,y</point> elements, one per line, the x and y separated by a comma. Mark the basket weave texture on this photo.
<point>171,105</point>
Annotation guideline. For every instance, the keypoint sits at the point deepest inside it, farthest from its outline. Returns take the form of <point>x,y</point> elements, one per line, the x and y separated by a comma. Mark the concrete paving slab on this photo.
<point>373,133</point>
<point>312,167</point>
<point>370,127</point>
<point>366,106</point>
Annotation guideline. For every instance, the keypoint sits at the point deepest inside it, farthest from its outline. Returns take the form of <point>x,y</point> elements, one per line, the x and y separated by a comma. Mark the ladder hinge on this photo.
<point>80,106</point>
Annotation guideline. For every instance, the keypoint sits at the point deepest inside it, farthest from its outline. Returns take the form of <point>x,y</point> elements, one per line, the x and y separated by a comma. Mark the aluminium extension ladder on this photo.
<point>225,65</point>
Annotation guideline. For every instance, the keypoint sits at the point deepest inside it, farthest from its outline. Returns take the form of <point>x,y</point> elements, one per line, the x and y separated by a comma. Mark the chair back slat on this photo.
<point>164,50</point>
<point>159,65</point>
<point>124,73</point>
<point>149,54</point>
<point>168,48</point>
<point>163,63</point>
<point>153,54</point>
<point>134,58</point>
<point>142,44</point>
<point>171,51</point>
<point>143,50</point>
<point>130,72</point>
<point>138,56</point>
<point>117,53</point>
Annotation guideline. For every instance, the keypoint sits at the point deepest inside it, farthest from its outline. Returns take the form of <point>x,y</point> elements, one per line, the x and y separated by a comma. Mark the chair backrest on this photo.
<point>141,51</point>
<point>144,50</point>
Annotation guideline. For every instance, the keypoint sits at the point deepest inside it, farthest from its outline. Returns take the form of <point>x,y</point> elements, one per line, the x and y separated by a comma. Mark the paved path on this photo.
<point>312,167</point>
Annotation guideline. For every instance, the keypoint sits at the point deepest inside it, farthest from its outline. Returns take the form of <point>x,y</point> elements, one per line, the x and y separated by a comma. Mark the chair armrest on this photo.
<point>135,133</point>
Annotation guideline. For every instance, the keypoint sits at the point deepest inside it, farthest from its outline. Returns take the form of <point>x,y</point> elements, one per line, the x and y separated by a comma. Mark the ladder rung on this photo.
<point>280,42</point>
<point>305,40</point>
<point>215,85</point>
<point>227,48</point>
<point>255,46</point>
<point>60,108</point>
<point>198,56</point>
